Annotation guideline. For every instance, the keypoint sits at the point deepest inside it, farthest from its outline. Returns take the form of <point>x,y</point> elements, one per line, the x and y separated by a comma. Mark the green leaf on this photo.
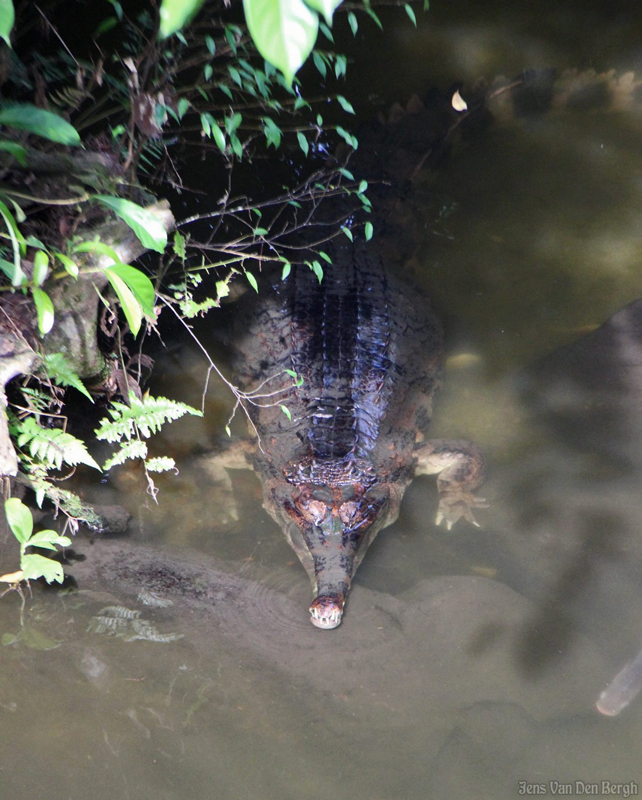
<point>175,13</point>
<point>272,132</point>
<point>325,7</point>
<point>17,244</point>
<point>348,233</point>
<point>319,63</point>
<point>232,123</point>
<point>345,105</point>
<point>210,44</point>
<point>316,267</point>
<point>61,372</point>
<point>141,286</point>
<point>27,117</point>
<point>48,540</point>
<point>354,25</point>
<point>286,411</point>
<point>362,187</point>
<point>252,281</point>
<point>411,14</point>
<point>130,305</point>
<point>146,225</point>
<point>303,142</point>
<point>160,464</point>
<point>70,266</point>
<point>284,32</point>
<point>208,71</point>
<point>349,138</point>
<point>16,150</point>
<point>128,450</point>
<point>368,231</point>
<point>237,147</point>
<point>44,309</point>
<point>183,105</point>
<point>7,18</point>
<point>346,173</point>
<point>19,519</point>
<point>53,446</point>
<point>40,267</point>
<point>35,566</point>
<point>287,267</point>
<point>325,256</point>
<point>212,128</point>
<point>326,31</point>
<point>340,66</point>
<point>372,14</point>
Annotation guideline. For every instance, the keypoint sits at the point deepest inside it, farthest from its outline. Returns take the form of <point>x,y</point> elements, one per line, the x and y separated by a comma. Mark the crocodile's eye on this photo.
<point>347,512</point>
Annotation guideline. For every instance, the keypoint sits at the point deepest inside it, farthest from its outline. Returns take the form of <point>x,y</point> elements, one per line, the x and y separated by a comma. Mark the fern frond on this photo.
<point>161,464</point>
<point>52,446</point>
<point>142,417</point>
<point>133,449</point>
<point>37,400</point>
<point>70,97</point>
<point>60,371</point>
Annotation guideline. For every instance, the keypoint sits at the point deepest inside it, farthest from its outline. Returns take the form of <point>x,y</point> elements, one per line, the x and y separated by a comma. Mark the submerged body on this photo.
<point>367,352</point>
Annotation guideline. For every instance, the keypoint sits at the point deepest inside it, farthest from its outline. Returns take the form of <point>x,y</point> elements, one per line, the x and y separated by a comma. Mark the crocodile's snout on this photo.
<point>327,611</point>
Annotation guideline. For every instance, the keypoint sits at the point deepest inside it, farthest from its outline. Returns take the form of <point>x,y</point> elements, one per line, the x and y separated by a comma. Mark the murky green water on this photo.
<point>468,661</point>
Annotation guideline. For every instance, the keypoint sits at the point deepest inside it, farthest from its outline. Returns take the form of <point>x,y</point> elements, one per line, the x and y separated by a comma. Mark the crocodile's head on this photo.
<point>330,528</point>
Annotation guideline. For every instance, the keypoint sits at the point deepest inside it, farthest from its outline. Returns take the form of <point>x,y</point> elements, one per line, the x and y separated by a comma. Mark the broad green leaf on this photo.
<point>411,14</point>
<point>141,286</point>
<point>19,518</point>
<point>7,18</point>
<point>349,138</point>
<point>287,267</point>
<point>320,64</point>
<point>316,267</point>
<point>146,225</point>
<point>345,104</point>
<point>70,266</point>
<point>35,566</point>
<point>284,32</point>
<point>346,173</point>
<point>325,7</point>
<point>325,256</point>
<point>27,117</point>
<point>210,44</point>
<point>252,281</point>
<point>130,305</point>
<point>362,187</point>
<point>368,231</point>
<point>348,233</point>
<point>48,540</point>
<point>183,105</point>
<point>303,142</point>
<point>286,411</point>
<point>97,247</point>
<point>175,13</point>
<point>16,150</point>
<point>44,309</point>
<point>232,123</point>
<point>354,25</point>
<point>40,267</point>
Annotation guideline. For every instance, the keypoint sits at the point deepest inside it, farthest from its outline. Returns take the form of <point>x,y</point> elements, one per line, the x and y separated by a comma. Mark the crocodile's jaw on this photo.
<point>326,611</point>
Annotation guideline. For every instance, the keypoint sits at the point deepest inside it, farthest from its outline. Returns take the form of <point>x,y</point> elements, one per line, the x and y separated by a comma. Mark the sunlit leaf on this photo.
<point>303,142</point>
<point>345,104</point>
<point>19,518</point>
<point>175,13</point>
<point>40,267</point>
<point>325,7</point>
<point>16,150</point>
<point>130,305</point>
<point>252,281</point>
<point>35,566</point>
<point>145,224</point>
<point>17,244</point>
<point>286,411</point>
<point>27,117</point>
<point>139,284</point>
<point>284,32</point>
<point>411,14</point>
<point>44,309</point>
<point>7,18</point>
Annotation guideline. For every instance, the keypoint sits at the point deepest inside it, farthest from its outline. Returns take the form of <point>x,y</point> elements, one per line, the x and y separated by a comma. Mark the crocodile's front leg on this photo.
<point>239,455</point>
<point>460,468</point>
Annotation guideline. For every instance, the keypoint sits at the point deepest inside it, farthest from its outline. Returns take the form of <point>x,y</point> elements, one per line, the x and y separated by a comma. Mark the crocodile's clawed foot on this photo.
<point>454,506</point>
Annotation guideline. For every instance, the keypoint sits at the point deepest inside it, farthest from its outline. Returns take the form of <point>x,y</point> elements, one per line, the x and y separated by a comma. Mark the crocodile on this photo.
<point>367,351</point>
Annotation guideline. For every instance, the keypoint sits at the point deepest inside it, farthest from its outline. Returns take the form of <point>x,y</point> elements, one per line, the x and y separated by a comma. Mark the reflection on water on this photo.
<point>468,661</point>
